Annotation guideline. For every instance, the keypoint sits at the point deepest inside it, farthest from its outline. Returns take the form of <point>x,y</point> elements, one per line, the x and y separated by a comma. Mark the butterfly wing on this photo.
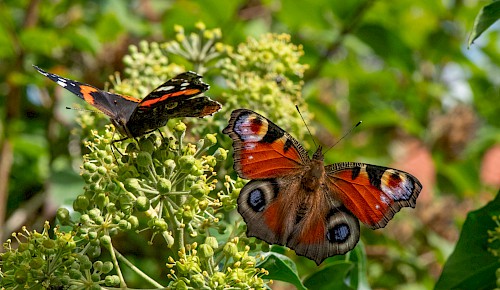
<point>177,97</point>
<point>262,149</point>
<point>372,193</point>
<point>182,86</point>
<point>280,211</point>
<point>117,107</point>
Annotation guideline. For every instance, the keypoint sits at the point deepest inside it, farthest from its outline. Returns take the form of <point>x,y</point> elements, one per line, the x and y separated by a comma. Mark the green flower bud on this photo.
<point>101,199</point>
<point>197,280</point>
<point>107,267</point>
<point>230,249</point>
<point>179,127</point>
<point>134,222</point>
<point>203,204</point>
<point>142,203</point>
<point>90,167</point>
<point>75,274</point>
<point>95,277</point>
<point>49,244</point>
<point>164,185</point>
<point>85,263</point>
<point>158,224</point>
<point>87,177</point>
<point>144,159</point>
<point>146,145</point>
<point>169,166</point>
<point>37,262</point>
<point>101,170</point>
<point>81,203</point>
<point>217,280</point>
<point>211,161</point>
<point>132,185</point>
<point>212,242</point>
<point>94,213</point>
<point>220,154</point>
<point>210,139</point>
<point>112,280</point>
<point>63,216</point>
<point>205,251</point>
<point>105,241</point>
<point>93,235</point>
<point>108,160</point>
<point>187,214</point>
<point>186,163</point>
<point>131,147</point>
<point>181,285</point>
<point>98,265</point>
<point>199,190</point>
<point>124,225</point>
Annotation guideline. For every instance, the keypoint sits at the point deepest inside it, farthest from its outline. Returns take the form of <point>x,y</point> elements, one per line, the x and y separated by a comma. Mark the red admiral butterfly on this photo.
<point>135,117</point>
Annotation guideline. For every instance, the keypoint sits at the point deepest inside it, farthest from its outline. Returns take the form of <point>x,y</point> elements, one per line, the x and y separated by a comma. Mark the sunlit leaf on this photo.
<point>488,15</point>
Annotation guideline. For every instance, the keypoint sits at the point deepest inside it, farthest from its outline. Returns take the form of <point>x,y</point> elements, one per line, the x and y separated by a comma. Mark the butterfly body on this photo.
<point>132,117</point>
<point>297,201</point>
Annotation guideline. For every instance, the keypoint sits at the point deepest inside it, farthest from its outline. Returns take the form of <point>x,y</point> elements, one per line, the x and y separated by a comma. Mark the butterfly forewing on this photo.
<point>373,193</point>
<point>261,148</point>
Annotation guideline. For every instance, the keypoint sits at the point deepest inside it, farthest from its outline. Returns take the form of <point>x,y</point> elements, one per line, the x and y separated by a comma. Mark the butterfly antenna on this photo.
<point>298,110</point>
<point>348,132</point>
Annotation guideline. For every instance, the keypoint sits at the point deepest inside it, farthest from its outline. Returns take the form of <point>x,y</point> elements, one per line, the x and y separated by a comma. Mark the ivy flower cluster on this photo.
<point>175,184</point>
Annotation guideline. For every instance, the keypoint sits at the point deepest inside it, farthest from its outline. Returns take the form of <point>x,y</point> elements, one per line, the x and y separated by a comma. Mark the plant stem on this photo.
<point>137,270</point>
<point>111,250</point>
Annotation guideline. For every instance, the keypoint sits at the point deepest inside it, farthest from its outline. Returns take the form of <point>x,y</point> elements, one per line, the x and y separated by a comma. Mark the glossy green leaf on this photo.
<point>488,15</point>
<point>471,266</point>
<point>280,268</point>
<point>332,276</point>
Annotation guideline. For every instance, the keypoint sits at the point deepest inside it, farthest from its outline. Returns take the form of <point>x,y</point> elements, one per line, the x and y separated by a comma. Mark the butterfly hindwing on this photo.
<point>261,148</point>
<point>279,212</point>
<point>373,193</point>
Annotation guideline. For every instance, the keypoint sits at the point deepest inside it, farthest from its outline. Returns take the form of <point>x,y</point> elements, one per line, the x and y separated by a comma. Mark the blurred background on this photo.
<point>429,104</point>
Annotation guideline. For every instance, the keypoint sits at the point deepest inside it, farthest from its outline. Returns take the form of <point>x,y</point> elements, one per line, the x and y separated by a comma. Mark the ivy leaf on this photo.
<point>280,268</point>
<point>471,266</point>
<point>488,15</point>
<point>332,276</point>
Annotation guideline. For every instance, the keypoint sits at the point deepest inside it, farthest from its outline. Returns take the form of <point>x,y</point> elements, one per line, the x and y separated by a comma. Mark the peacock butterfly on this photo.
<point>299,202</point>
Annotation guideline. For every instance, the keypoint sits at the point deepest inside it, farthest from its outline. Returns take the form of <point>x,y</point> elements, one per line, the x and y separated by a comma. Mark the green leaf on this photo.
<point>280,268</point>
<point>471,266</point>
<point>359,278</point>
<point>488,15</point>
<point>332,276</point>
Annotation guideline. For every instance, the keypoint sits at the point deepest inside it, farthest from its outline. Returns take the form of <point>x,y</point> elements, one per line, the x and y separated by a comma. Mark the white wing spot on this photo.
<point>250,157</point>
<point>166,88</point>
<point>184,84</point>
<point>62,83</point>
<point>377,206</point>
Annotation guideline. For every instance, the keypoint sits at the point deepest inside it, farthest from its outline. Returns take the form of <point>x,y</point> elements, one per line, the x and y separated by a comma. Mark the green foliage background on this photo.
<point>429,106</point>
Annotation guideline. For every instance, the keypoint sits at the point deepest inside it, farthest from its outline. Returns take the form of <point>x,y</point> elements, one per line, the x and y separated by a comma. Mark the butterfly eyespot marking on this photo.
<point>257,200</point>
<point>396,186</point>
<point>339,233</point>
<point>250,128</point>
